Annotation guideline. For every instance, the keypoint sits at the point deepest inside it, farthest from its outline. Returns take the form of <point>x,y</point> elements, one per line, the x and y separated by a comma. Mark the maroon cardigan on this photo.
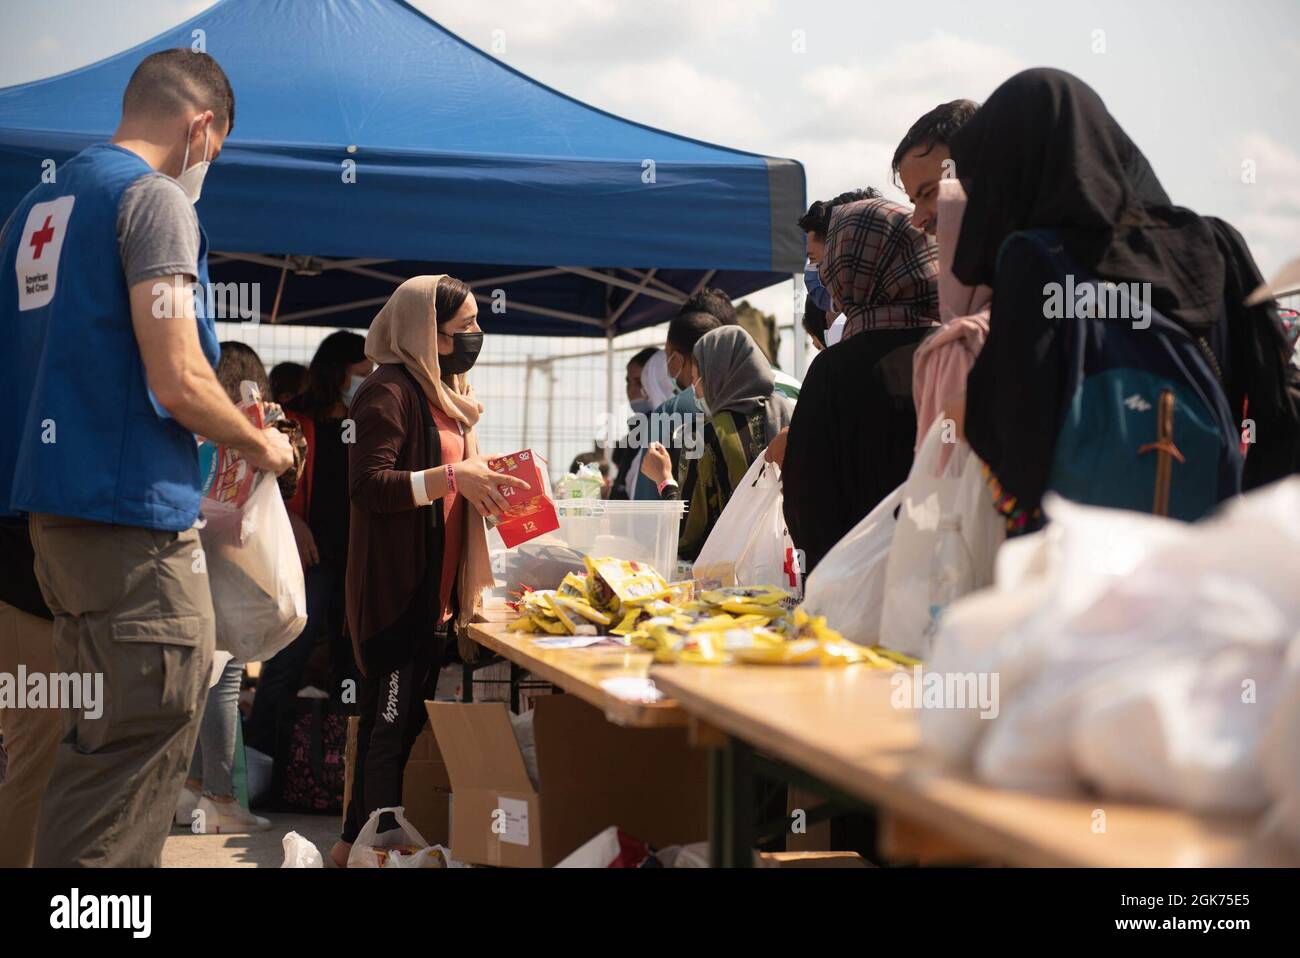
<point>387,549</point>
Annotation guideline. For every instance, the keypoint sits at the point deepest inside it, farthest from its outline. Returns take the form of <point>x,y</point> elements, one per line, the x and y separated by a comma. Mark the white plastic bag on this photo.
<point>258,594</point>
<point>848,585</point>
<point>300,853</point>
<point>369,849</point>
<point>749,543</point>
<point>435,856</point>
<point>929,494</point>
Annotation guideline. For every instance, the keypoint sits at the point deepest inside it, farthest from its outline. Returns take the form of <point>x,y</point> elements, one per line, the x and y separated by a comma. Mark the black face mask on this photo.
<point>464,353</point>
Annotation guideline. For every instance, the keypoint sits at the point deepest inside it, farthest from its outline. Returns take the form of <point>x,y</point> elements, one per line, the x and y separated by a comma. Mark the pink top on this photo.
<point>453,506</point>
<point>943,361</point>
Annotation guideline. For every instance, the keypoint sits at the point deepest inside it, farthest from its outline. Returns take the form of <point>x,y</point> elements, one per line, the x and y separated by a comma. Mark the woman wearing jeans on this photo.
<point>209,789</point>
<point>417,555</point>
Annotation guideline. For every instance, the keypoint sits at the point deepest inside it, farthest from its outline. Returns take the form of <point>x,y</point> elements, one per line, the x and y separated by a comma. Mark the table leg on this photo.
<point>731,798</point>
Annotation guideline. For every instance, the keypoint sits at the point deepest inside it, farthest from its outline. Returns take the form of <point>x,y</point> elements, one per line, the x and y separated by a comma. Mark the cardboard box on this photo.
<point>426,787</point>
<point>531,512</point>
<point>648,782</point>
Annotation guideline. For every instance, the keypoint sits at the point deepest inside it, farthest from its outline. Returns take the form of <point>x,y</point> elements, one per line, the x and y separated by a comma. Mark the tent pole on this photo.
<point>609,389</point>
<point>800,338</point>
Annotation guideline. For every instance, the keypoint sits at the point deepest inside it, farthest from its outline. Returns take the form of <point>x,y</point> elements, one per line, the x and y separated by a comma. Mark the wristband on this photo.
<point>451,479</point>
<point>670,481</point>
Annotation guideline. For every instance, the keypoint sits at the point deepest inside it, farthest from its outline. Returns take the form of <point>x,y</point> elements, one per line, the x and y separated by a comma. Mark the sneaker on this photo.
<point>185,805</point>
<point>228,817</point>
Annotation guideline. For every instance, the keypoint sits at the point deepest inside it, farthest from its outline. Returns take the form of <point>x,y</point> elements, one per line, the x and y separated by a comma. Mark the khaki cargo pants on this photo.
<point>128,603</point>
<point>31,735</point>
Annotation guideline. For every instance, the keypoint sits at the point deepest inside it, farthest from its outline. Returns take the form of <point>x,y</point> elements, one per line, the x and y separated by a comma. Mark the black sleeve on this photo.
<point>1015,394</point>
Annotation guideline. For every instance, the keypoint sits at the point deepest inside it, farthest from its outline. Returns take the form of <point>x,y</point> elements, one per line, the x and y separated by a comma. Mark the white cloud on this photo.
<point>881,97</point>
<point>1270,217</point>
<point>677,95</point>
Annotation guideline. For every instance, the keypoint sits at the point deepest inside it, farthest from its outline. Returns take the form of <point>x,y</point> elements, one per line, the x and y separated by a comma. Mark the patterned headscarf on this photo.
<point>881,270</point>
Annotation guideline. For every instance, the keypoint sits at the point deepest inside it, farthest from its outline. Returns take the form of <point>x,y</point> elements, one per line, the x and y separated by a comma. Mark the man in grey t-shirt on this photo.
<point>128,599</point>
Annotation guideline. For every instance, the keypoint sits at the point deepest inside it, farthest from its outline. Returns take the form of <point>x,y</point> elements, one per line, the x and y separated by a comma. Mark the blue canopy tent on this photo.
<point>370,145</point>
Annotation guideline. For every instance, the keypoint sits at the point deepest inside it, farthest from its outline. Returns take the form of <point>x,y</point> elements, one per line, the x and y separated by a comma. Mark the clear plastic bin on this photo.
<point>641,531</point>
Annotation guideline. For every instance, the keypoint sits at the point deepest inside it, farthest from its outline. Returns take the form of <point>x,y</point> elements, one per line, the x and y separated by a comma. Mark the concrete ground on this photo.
<point>254,850</point>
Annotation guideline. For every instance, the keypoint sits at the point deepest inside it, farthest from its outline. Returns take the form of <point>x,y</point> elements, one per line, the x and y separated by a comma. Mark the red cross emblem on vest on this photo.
<point>41,237</point>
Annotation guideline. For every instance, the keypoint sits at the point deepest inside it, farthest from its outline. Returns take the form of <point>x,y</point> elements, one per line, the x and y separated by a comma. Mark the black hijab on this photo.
<point>1044,152</point>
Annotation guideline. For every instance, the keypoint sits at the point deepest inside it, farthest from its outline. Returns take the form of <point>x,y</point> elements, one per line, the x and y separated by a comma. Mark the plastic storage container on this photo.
<point>642,531</point>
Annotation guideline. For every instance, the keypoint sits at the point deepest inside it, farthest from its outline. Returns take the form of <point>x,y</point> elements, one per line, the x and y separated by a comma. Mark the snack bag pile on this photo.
<point>739,624</point>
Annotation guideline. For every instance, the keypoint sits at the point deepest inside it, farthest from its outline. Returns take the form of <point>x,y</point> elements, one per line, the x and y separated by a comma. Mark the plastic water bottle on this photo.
<point>951,572</point>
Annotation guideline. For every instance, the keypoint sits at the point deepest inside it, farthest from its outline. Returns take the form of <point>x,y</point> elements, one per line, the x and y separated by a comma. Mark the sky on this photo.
<point>1207,89</point>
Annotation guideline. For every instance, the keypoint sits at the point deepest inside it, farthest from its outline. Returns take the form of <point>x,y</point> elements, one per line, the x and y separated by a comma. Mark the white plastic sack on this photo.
<point>219,662</point>
<point>522,726</point>
<point>365,853</point>
<point>848,585</point>
<point>435,856</point>
<point>749,543</point>
<point>255,574</point>
<point>928,495</point>
<point>1149,660</point>
<point>300,853</point>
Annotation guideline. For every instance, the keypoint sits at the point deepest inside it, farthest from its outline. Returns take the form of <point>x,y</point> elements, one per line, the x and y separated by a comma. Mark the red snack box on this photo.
<point>531,513</point>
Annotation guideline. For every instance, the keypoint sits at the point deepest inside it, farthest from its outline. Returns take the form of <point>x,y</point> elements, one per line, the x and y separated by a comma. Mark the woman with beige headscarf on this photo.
<point>417,553</point>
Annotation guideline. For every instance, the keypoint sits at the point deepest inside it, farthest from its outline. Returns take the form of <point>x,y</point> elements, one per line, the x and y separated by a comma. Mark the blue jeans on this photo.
<point>214,751</point>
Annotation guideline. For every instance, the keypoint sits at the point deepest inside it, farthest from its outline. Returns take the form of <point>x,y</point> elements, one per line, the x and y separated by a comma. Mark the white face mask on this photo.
<point>191,179</point>
<point>353,385</point>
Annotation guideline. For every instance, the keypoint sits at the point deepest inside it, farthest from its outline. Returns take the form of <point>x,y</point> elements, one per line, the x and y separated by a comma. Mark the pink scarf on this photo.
<point>944,359</point>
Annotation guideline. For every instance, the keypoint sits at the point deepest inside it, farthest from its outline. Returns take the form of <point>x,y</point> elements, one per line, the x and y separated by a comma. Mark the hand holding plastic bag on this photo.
<point>749,544</point>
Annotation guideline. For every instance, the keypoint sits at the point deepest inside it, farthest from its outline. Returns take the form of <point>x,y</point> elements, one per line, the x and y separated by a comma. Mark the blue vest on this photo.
<point>93,442</point>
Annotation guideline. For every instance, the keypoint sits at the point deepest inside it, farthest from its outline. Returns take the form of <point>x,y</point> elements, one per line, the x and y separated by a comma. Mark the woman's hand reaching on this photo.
<point>656,464</point>
<point>482,487</point>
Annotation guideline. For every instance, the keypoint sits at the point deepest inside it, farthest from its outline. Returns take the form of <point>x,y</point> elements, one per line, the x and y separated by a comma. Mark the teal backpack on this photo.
<point>1146,424</point>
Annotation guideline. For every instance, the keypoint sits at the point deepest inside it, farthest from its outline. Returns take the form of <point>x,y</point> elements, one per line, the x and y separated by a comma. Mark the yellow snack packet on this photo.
<point>629,582</point>
<point>782,653</point>
<point>755,595</point>
<point>582,608</point>
<point>524,623</point>
<point>893,656</point>
<point>628,623</point>
<point>574,585</point>
<point>551,626</point>
<point>563,614</point>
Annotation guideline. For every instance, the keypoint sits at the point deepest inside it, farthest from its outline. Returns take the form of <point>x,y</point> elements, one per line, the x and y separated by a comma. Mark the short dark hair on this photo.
<point>818,218</point>
<point>713,301</point>
<point>686,329</point>
<point>814,321</point>
<point>170,81</point>
<point>288,379</point>
<point>643,356</point>
<point>238,362</point>
<point>936,127</point>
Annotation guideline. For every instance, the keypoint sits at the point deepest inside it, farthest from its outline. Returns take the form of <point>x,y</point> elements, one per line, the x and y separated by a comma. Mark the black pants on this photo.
<point>402,666</point>
<point>282,674</point>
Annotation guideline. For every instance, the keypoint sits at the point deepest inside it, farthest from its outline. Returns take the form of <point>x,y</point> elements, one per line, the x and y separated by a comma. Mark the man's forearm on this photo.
<point>200,404</point>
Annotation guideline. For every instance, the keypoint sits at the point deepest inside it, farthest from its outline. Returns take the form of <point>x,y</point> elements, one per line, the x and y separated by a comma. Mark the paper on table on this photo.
<point>570,641</point>
<point>633,689</point>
